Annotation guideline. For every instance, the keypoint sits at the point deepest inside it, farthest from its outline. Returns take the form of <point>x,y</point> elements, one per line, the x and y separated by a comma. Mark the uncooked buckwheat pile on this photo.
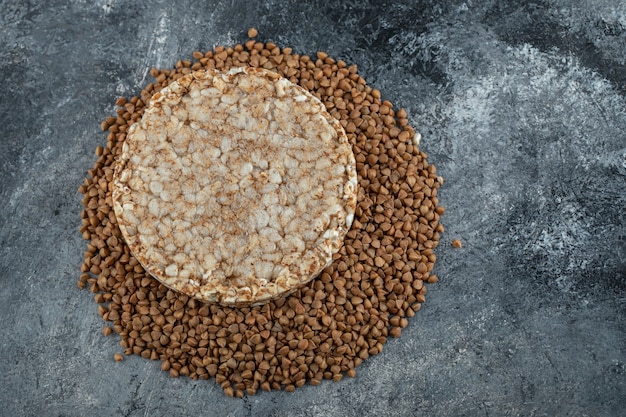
<point>325,329</point>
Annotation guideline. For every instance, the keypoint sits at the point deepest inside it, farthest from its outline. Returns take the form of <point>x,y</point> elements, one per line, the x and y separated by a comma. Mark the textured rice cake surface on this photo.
<point>235,187</point>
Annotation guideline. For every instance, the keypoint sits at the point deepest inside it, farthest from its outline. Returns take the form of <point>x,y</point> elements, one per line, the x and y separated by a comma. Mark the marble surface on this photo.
<point>522,108</point>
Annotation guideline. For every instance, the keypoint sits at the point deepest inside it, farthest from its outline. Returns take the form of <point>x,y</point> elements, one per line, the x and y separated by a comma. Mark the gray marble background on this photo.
<point>522,109</point>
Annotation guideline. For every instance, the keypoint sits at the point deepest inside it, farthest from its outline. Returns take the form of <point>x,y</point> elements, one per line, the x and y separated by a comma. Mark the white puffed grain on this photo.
<point>235,186</point>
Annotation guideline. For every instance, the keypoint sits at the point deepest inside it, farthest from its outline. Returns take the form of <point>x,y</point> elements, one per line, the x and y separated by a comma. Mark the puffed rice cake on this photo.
<point>235,187</point>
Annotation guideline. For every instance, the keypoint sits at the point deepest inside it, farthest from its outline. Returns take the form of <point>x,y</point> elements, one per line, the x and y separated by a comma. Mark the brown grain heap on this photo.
<point>326,329</point>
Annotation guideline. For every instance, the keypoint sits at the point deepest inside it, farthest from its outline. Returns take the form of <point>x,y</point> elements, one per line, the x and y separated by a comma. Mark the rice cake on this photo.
<point>235,187</point>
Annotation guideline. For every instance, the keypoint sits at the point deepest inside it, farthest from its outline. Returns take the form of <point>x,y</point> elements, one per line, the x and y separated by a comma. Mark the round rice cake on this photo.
<point>235,187</point>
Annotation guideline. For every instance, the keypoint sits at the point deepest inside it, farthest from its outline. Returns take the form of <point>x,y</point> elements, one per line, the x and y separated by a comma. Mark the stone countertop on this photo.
<point>522,109</point>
